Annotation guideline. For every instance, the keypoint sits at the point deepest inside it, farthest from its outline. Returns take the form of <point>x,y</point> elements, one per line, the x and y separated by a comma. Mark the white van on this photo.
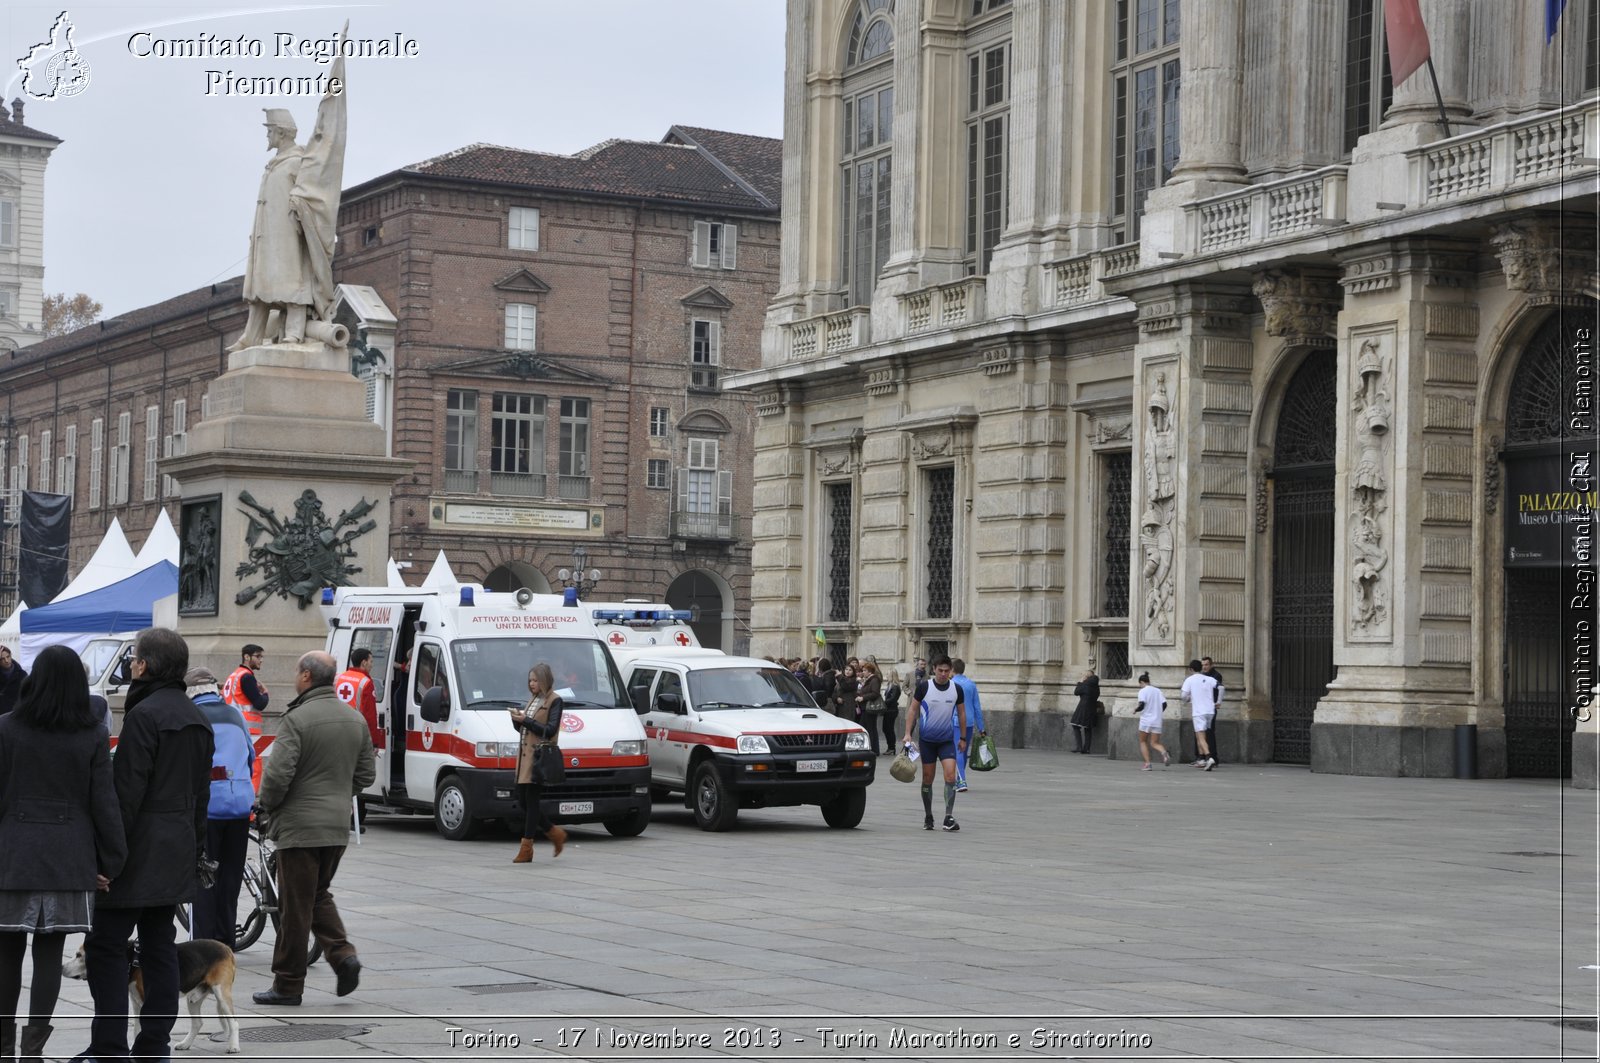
<point>107,661</point>
<point>456,755</point>
<point>741,732</point>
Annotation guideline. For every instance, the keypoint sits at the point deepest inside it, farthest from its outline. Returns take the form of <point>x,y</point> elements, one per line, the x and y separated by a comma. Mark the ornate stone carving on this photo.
<point>1303,307</point>
<point>1160,455</point>
<point>1112,430</point>
<point>1551,263</point>
<point>199,559</point>
<point>1491,478</point>
<point>1261,503</point>
<point>1371,409</point>
<point>884,379</point>
<point>932,444</point>
<point>834,462</point>
<point>305,553</point>
<point>998,360</point>
<point>770,403</point>
<point>1373,273</point>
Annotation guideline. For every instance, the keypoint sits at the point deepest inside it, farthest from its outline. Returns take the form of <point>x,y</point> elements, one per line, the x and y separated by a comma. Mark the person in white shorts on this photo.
<point>1200,691</point>
<point>1151,702</point>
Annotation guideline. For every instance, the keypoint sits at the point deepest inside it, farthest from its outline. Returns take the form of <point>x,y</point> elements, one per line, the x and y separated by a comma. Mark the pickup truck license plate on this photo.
<point>575,808</point>
<point>811,765</point>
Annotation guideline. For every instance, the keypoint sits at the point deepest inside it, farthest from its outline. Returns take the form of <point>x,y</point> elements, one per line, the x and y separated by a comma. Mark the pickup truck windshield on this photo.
<point>711,689</point>
<point>493,673</point>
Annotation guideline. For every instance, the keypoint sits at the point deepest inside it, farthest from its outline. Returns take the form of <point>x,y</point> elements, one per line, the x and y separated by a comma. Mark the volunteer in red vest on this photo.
<point>246,693</point>
<point>354,687</point>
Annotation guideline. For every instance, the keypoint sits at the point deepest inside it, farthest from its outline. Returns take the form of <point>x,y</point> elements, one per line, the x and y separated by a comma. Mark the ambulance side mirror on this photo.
<point>434,709</point>
<point>641,699</point>
<point>669,702</point>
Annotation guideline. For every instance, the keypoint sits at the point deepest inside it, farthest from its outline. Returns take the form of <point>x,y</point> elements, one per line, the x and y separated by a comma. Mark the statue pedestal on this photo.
<point>287,479</point>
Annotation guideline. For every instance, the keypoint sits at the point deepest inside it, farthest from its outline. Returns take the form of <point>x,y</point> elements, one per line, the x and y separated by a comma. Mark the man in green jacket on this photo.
<point>321,757</point>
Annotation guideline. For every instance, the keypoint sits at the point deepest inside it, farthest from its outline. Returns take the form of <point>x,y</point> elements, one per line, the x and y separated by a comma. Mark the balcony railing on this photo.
<point>942,306</point>
<point>708,526</point>
<point>461,481</point>
<point>1522,152</point>
<point>1077,280</point>
<point>573,488</point>
<point>829,333</point>
<point>1268,211</point>
<point>517,484</point>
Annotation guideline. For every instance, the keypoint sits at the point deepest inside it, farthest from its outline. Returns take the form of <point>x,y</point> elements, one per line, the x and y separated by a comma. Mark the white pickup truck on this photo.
<point>740,732</point>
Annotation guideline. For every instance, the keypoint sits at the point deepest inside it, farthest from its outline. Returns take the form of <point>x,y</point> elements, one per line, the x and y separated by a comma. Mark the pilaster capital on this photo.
<point>1553,263</point>
<point>1300,305</point>
<point>1436,263</point>
<point>1195,307</point>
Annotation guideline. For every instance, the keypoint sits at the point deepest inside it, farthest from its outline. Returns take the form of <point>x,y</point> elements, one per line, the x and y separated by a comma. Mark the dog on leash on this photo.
<point>205,969</point>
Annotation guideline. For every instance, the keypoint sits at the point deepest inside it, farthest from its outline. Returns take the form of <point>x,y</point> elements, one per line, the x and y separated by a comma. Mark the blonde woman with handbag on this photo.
<point>540,724</point>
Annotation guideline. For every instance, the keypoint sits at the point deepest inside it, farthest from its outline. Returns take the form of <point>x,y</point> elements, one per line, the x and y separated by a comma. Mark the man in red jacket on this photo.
<point>354,687</point>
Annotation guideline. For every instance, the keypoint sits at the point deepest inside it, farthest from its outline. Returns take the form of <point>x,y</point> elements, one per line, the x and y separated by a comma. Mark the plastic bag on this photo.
<point>983,756</point>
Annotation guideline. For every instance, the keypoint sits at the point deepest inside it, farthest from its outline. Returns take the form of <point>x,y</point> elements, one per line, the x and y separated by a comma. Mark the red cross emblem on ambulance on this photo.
<point>616,638</point>
<point>681,638</point>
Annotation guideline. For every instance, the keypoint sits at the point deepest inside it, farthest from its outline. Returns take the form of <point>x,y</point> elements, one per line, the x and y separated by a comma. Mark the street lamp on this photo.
<point>577,581</point>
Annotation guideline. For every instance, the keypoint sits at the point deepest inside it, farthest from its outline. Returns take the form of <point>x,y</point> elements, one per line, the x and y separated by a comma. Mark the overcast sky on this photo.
<point>151,193</point>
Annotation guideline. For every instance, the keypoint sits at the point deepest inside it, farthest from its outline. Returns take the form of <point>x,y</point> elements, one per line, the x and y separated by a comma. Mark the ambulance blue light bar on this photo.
<point>632,616</point>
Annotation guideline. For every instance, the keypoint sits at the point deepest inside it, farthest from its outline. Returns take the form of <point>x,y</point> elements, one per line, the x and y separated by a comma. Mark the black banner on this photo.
<point>1548,518</point>
<point>46,531</point>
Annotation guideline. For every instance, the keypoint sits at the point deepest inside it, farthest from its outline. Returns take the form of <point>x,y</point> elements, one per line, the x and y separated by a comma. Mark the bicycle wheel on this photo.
<point>247,931</point>
<point>313,948</point>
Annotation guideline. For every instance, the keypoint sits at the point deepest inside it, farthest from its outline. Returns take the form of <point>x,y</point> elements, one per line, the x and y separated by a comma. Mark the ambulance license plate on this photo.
<point>811,765</point>
<point>575,808</point>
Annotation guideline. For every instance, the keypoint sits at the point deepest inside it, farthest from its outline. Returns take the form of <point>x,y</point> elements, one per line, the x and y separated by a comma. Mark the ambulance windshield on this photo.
<point>493,673</point>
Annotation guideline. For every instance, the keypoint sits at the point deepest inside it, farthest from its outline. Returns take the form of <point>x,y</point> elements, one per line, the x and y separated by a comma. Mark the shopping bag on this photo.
<point>903,768</point>
<point>983,756</point>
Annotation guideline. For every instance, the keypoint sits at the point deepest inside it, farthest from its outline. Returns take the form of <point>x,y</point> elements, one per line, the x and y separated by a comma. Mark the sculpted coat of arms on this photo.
<point>297,556</point>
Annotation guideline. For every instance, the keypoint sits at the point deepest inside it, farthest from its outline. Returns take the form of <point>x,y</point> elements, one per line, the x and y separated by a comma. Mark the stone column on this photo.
<point>1403,530</point>
<point>294,486</point>
<point>1449,42</point>
<point>1212,55</point>
<point>778,529</point>
<point>1191,504</point>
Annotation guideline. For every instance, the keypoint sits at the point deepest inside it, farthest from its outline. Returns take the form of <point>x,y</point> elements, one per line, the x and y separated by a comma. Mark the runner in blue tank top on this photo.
<point>939,713</point>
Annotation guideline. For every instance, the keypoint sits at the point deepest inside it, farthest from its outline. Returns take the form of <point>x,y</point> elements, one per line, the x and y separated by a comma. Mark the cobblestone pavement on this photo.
<point>1085,908</point>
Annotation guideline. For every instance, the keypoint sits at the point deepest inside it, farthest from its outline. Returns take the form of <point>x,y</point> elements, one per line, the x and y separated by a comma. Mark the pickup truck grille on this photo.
<point>805,743</point>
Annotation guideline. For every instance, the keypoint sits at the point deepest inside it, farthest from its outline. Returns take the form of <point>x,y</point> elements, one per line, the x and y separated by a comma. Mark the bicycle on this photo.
<point>258,901</point>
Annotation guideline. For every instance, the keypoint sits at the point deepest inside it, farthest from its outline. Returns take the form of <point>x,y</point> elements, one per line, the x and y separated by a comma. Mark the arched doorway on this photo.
<point>514,575</point>
<point>703,591</point>
<point>1538,560</point>
<point>1302,553</point>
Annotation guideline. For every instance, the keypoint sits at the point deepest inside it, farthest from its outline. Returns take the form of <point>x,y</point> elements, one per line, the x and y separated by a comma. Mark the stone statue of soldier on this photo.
<point>288,276</point>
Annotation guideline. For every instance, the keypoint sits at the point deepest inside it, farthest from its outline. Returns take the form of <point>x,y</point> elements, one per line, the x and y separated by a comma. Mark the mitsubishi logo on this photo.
<point>811,740</point>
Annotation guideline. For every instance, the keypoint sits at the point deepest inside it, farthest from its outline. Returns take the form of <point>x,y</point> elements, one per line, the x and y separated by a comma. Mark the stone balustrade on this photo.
<point>942,306</point>
<point>1077,280</point>
<point>828,333</point>
<point>1284,207</point>
<point>1523,152</point>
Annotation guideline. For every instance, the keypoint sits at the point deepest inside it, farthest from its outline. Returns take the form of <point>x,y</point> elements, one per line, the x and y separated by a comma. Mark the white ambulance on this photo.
<point>454,754</point>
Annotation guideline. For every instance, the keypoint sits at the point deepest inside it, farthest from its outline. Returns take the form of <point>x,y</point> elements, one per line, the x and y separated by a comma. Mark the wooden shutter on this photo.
<point>730,247</point>
<point>45,439</point>
<point>97,447</point>
<point>725,492</point>
<point>700,252</point>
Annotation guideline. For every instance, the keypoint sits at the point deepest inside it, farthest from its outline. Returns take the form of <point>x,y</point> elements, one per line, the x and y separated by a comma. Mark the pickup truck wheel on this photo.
<point>714,805</point>
<point>846,810</point>
<point>630,826</point>
<point>452,811</point>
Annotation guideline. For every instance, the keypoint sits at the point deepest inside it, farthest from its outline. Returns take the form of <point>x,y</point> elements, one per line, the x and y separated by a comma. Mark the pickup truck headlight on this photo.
<point>754,744</point>
<point>632,747</point>
<point>495,749</point>
<point>855,740</point>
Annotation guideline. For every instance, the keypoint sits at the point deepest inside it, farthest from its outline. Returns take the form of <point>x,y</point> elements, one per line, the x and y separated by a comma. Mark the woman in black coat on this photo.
<point>59,828</point>
<point>843,701</point>
<point>1083,717</point>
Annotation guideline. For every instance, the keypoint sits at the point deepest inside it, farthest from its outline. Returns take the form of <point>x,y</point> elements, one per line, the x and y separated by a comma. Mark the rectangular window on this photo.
<point>1591,49</point>
<point>122,460</point>
<point>716,245</point>
<point>67,463</point>
<point>461,441</point>
<point>520,326</point>
<point>46,438</point>
<point>841,536</point>
<point>1366,70</point>
<point>575,437</point>
<point>866,189</point>
<point>523,229</point>
<point>988,99</point>
<point>8,303</point>
<point>705,353</point>
<point>152,443</point>
<point>1145,88</point>
<point>940,484</point>
<point>516,445</point>
<point>176,444</point>
<point>19,478</point>
<point>8,223</point>
<point>658,422</point>
<point>1118,498</point>
<point>701,490</point>
<point>97,459</point>
<point>658,473</point>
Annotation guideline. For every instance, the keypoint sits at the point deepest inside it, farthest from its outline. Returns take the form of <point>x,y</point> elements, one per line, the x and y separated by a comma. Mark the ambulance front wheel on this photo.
<point>452,811</point>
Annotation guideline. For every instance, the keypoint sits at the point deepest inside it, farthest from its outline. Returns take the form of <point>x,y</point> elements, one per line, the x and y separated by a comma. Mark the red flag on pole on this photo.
<point>1408,38</point>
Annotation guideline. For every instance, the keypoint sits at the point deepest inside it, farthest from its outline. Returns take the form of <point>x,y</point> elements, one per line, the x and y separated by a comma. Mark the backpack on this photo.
<point>232,793</point>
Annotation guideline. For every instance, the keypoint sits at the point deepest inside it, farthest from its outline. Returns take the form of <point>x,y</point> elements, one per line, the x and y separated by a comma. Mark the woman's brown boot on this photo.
<point>525,854</point>
<point>558,839</point>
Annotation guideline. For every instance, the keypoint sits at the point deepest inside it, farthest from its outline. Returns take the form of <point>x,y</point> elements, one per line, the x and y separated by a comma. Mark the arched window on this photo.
<point>865,176</point>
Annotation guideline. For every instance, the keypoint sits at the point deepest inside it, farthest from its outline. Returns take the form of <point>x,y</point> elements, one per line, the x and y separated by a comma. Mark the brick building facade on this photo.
<point>546,335</point>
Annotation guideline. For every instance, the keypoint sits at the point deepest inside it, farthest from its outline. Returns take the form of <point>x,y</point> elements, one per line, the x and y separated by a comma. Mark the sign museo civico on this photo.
<point>1551,502</point>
